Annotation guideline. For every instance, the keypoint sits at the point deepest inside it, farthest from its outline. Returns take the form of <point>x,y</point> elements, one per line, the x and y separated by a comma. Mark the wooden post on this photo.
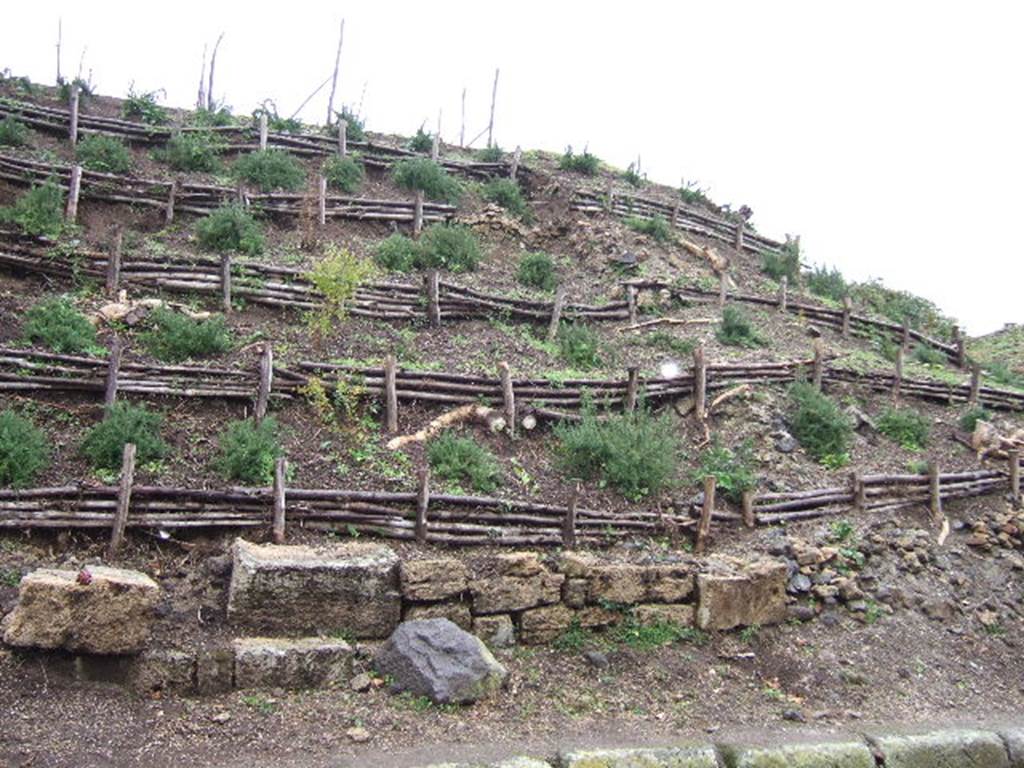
<point>509,396</point>
<point>749,519</point>
<point>279,500</point>
<point>73,127</point>
<point>263,131</point>
<point>569,522</point>
<point>631,302</point>
<point>517,157</point>
<point>74,190</point>
<point>609,199</point>
<point>171,195</point>
<point>975,384</point>
<point>556,315</point>
<point>494,98</point>
<point>322,200</point>
<point>266,381</point>
<point>858,491</point>
<point>905,335</point>
<point>422,505</point>
<point>225,282</point>
<point>897,381</point>
<point>342,138</point>
<point>1013,457</point>
<point>632,387</point>
<point>721,289</point>
<point>704,527</point>
<point>432,286</point>
<point>124,499</point>
<point>699,384</point>
<point>240,196</point>
<point>847,310</point>
<point>675,214</point>
<point>114,263</point>
<point>435,148</point>
<point>934,490</point>
<point>390,394</point>
<point>818,369</point>
<point>961,351</point>
<point>737,241</point>
<point>783,286</point>
<point>113,369</point>
<point>417,214</point>
<point>462,129</point>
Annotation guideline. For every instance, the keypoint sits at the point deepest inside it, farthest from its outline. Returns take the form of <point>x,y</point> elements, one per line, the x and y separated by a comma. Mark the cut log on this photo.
<point>489,417</point>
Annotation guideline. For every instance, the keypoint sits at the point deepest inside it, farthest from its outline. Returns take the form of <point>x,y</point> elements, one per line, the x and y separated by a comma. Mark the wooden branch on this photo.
<point>718,262</point>
<point>666,321</point>
<point>699,384</point>
<point>742,389</point>
<point>334,76</point>
<point>73,127</point>
<point>264,130</point>
<point>124,499</point>
<point>632,387</point>
<point>494,98</point>
<point>934,490</point>
<point>210,101</point>
<point>417,217</point>
<point>482,414</point>
<point>749,520</point>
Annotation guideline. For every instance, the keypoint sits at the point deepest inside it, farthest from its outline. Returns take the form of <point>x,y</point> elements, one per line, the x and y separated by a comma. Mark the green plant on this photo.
<point>24,451</point>
<point>1001,373</point>
<point>490,154</point>
<point>692,194</point>
<point>970,418</point>
<point>650,635</point>
<point>104,153</point>
<point>537,270</point>
<point>12,133</point>
<point>422,141</point>
<point>397,253</point>
<point>750,634</point>
<point>60,327</point>
<point>633,452</point>
<point>275,122</point>
<point>261,704</point>
<point>826,282</point>
<point>231,228</point>
<point>579,345</point>
<point>193,151</point>
<point>174,337</point>
<point>817,422</point>
<point>666,342</point>
<point>337,277</point>
<point>784,264</point>
<point>735,330</point>
<point>85,88</point>
<point>631,177</point>
<point>898,306</point>
<point>355,127</point>
<point>656,228</point>
<point>269,169</point>
<point>506,193</point>
<point>840,531</point>
<point>906,427</point>
<point>732,469</point>
<point>344,173</point>
<point>928,355</point>
<point>449,246</point>
<point>124,423</point>
<point>917,467</point>
<point>143,106</point>
<point>461,459</point>
<point>587,164</point>
<point>575,638</point>
<point>218,117</point>
<point>39,211</point>
<point>426,176</point>
<point>248,451</point>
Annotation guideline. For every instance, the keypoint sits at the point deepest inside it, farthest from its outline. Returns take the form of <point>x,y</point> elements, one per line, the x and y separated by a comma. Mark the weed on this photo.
<point>631,177</point>
<point>537,270</point>
<point>355,127</point>
<point>174,337</point>
<point>506,193</point>
<point>337,277</point>
<point>422,141</point>
<point>212,118</point>
<point>457,459</point>
<point>24,451</point>
<point>575,638</point>
<point>231,228</point>
<point>423,174</point>
<point>143,106</point>
<point>898,306</point>
<point>104,153</point>
<point>666,342</point>
<point>124,423</point>
<point>12,133</point>
<point>646,637</point>
<point>39,211</point>
<point>579,345</point>
<point>194,151</point>
<point>261,704</point>
<point>1001,373</point>
<point>732,469</point>
<point>397,253</point>
<point>917,467</point>
<point>248,451</point>
<point>449,246</point>
<point>928,355</point>
<point>490,154</point>
<point>840,531</point>
<point>750,634</point>
<point>826,282</point>
<point>904,426</point>
<point>817,422</point>
<point>692,194</point>
<point>657,228</point>
<point>873,613</point>
<point>587,164</point>
<point>735,330</point>
<point>785,264</point>
<point>344,173</point>
<point>60,327</point>
<point>970,418</point>
<point>269,169</point>
<point>9,578</point>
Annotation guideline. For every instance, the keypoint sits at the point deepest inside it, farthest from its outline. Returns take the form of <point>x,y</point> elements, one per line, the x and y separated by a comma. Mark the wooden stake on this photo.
<point>279,500</point>
<point>699,384</point>
<point>73,127</point>
<point>210,101</point>
<point>721,290</point>
<point>897,381</point>
<point>609,199</point>
<point>114,263</point>
<point>631,301</point>
<point>675,214</point>
<point>422,505</point>
<point>435,148</point>
<point>705,514</point>
<point>632,387</point>
<point>124,499</point>
<point>1013,458</point>
<point>737,241</point>
<point>390,395</point>
<point>334,76</point>
<point>934,490</point>
<point>905,335</point>
<point>517,157</point>
<point>961,351</point>
<point>857,483</point>
<point>322,200</point>
<point>432,286</point>
<point>171,195</point>
<point>417,216</point>
<point>509,396</point>
<point>975,384</point>
<point>74,190</point>
<point>847,310</point>
<point>494,98</point>
<point>783,286</point>
<point>462,130</point>
<point>556,315</point>
<point>749,520</point>
<point>113,368</point>
<point>569,521</point>
<point>266,381</point>
<point>264,131</point>
<point>342,138</point>
<point>818,369</point>
<point>225,282</point>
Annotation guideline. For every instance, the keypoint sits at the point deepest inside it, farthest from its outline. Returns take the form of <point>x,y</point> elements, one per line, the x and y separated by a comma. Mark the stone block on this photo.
<point>438,579</point>
<point>733,593</point>
<point>307,662</point>
<point>455,612</point>
<point>943,749</point>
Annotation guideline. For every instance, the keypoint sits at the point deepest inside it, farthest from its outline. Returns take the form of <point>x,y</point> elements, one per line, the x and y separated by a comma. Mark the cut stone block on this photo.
<point>660,613</point>
<point>440,579</point>
<point>306,662</point>
<point>669,757</point>
<point>514,582</point>
<point>457,613</point>
<point>734,593</point>
<point>163,669</point>
<point>496,631</point>
<point>854,754</point>
<point>944,749</point>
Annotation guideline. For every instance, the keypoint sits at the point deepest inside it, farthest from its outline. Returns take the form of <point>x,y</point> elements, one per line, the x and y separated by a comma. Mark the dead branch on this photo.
<point>666,321</point>
<point>334,77</point>
<point>718,262</point>
<point>210,103</point>
<point>482,414</point>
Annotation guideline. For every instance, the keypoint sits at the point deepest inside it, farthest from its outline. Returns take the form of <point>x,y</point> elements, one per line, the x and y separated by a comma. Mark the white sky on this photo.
<point>888,134</point>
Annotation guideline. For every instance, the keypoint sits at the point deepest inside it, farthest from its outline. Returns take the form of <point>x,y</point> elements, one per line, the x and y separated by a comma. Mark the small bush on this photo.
<point>12,133</point>
<point>174,337</point>
<point>537,270</point>
<point>692,194</point>
<point>230,228</point>
<point>928,355</point>
<point>143,106</point>
<point>1001,373</point>
<point>193,151</point>
<point>631,177</point>
<point>666,342</point>
<point>735,330</point>
<point>85,89</point>
<point>826,282</point>
<point>247,451</point>
<point>39,211</point>
<point>124,423</point>
<point>451,247</point>
<point>344,173</point>
<point>579,346</point>
<point>656,228</point>
<point>635,453</point>
<point>732,469</point>
<point>817,422</point>
<point>60,327</point>
<point>269,169</point>
<point>355,128</point>
<point>104,153</point>
<point>24,451</point>
<point>212,118</point>
<point>490,155</point>
<point>461,459</point>
<point>398,253</point>
<point>779,265</point>
<point>970,418</point>
<point>587,164</point>
<point>422,141</point>
<point>904,426</point>
<point>921,314</point>
<point>337,277</point>
<point>275,122</point>
<point>507,194</point>
<point>422,173</point>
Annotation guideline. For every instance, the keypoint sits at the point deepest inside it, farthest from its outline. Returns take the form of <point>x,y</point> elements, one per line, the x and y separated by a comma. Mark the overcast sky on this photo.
<point>887,134</point>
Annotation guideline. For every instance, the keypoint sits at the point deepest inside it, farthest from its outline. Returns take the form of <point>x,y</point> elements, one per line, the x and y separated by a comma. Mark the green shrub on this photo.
<point>904,426</point>
<point>656,228</point>
<point>275,122</point>
<point>337,277</point>
<point>248,451</point>
<point>921,314</point>
<point>826,282</point>
<point>12,133</point>
<point>230,228</point>
<point>1001,373</point>
<point>970,418</point>
<point>449,246</point>
<point>928,355</point>
<point>398,253</point>
<point>507,194</point>
<point>490,155</point>
<point>587,164</point>
<point>462,460</point>
<point>174,337</point>
<point>24,451</point>
<point>39,211</point>
<point>60,327</point>
<point>124,423</point>
<point>85,89</point>
<point>193,151</point>
<point>631,177</point>
<point>212,118</point>
<point>143,106</point>
<point>104,153</point>
<point>344,173</point>
<point>422,141</point>
<point>635,453</point>
<point>732,469</point>
<point>579,346</point>
<point>355,129</point>
<point>785,264</point>
<point>269,169</point>
<point>735,330</point>
<point>666,342</point>
<point>817,422</point>
<point>423,174</point>
<point>537,270</point>
<point>692,194</point>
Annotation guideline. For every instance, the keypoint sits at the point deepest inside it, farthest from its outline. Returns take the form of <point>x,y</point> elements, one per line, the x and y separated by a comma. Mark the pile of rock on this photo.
<point>1004,528</point>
